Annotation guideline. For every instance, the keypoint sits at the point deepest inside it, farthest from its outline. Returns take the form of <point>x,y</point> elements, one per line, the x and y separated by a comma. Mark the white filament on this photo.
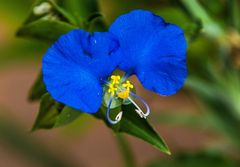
<point>138,109</point>
<point>117,118</point>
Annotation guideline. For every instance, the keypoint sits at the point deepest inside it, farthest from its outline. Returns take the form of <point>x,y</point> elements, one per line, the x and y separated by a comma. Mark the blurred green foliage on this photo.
<point>206,159</point>
<point>11,14</point>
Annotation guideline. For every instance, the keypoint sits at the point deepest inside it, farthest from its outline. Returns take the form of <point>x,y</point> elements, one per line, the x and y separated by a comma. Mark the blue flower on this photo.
<point>79,64</point>
<point>152,49</point>
<point>76,66</point>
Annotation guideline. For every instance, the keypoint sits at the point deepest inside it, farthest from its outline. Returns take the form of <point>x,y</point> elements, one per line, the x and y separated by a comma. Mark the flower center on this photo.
<point>116,87</point>
<point>121,88</point>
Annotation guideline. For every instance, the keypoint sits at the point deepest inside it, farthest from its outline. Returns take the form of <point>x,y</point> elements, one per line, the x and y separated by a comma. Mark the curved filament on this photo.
<point>138,109</point>
<point>117,118</point>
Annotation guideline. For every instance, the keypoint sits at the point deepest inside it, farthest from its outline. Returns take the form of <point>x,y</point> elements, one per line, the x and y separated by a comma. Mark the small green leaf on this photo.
<point>38,89</point>
<point>45,29</point>
<point>47,114</point>
<point>50,116</point>
<point>67,115</point>
<point>53,114</point>
<point>52,9</point>
<point>132,124</point>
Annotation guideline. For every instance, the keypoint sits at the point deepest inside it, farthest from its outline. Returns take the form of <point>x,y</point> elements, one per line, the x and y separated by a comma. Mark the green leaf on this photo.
<point>134,125</point>
<point>53,114</point>
<point>45,30</point>
<point>67,115</point>
<point>38,89</point>
<point>50,116</point>
<point>81,9</point>
<point>47,114</point>
<point>55,10</point>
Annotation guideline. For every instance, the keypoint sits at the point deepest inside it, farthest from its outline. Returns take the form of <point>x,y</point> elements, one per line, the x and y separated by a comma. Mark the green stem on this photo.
<point>127,154</point>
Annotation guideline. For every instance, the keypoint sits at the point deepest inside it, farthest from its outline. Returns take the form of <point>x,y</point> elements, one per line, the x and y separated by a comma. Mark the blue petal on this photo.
<point>152,49</point>
<point>75,66</point>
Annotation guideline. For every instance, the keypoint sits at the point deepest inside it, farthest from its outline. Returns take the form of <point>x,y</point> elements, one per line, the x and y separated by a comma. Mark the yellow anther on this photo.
<point>115,79</point>
<point>122,90</point>
<point>124,94</point>
<point>112,89</point>
<point>127,85</point>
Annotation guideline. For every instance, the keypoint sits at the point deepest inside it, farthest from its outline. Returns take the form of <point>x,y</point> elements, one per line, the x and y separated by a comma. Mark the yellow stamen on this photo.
<point>124,94</point>
<point>122,90</point>
<point>112,89</point>
<point>115,79</point>
<point>127,85</point>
